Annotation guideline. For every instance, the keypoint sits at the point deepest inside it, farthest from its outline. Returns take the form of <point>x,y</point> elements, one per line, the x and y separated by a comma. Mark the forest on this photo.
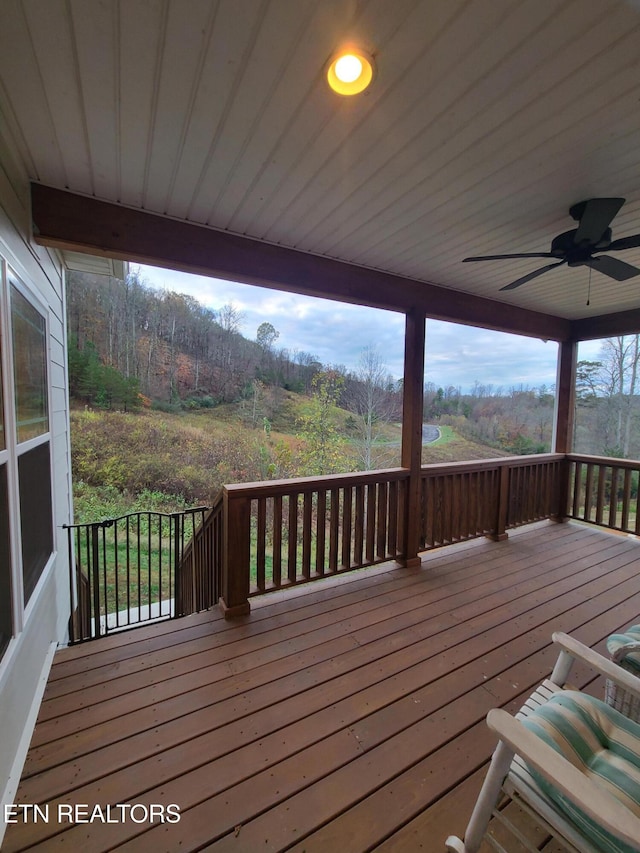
<point>170,397</point>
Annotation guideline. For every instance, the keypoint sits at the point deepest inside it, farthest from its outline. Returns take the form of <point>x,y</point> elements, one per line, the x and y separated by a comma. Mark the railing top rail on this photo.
<point>109,522</point>
<point>271,488</point>
<point>611,461</point>
<point>489,464</point>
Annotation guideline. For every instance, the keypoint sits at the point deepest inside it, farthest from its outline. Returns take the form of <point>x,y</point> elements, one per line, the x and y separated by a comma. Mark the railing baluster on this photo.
<point>600,497</point>
<point>292,551</point>
<point>626,499</point>
<point>347,497</point>
<point>277,541</point>
<point>359,524</point>
<point>392,495</point>
<point>321,531</point>
<point>613,498</point>
<point>371,517</point>
<point>307,515</point>
<point>334,527</point>
<point>588,493</point>
<point>383,521</point>
<point>261,533</point>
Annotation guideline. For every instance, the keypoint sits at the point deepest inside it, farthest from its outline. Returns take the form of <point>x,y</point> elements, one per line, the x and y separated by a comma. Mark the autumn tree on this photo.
<point>607,398</point>
<point>322,452</point>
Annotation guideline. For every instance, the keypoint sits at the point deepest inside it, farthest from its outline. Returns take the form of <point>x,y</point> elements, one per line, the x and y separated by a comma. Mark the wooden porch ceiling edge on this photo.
<point>66,220</point>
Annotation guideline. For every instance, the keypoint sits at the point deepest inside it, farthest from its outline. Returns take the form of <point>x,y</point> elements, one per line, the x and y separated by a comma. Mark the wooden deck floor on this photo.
<point>348,717</point>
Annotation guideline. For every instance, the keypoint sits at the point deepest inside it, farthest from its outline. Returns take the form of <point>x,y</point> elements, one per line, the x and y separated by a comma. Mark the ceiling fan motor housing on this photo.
<point>564,246</point>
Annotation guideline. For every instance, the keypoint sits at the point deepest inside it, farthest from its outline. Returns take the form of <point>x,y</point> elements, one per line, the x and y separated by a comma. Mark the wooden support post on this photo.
<point>412,416</point>
<point>234,600</point>
<point>564,418</point>
<point>565,398</point>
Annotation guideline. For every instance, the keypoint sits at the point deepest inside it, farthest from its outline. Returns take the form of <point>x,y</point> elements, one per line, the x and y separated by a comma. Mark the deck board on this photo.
<point>346,715</point>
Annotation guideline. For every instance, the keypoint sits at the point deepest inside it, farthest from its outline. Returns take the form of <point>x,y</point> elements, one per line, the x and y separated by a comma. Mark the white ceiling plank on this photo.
<point>487,120</point>
<point>390,135</point>
<point>270,43</point>
<point>271,102</point>
<point>296,92</point>
<point>140,41</point>
<point>543,160</point>
<point>316,108</point>
<point>95,32</point>
<point>54,45</point>
<point>185,43</point>
<point>204,167</point>
<point>333,151</point>
<point>455,137</point>
<point>26,97</point>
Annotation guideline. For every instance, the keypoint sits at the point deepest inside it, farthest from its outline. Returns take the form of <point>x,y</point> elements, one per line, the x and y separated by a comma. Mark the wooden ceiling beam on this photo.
<point>606,326</point>
<point>66,220</point>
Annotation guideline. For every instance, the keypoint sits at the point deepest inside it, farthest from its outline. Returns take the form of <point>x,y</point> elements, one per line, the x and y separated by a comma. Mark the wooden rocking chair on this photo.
<point>568,759</point>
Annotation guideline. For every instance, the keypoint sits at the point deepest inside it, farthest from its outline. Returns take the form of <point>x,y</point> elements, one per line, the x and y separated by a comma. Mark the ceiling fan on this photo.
<point>582,245</point>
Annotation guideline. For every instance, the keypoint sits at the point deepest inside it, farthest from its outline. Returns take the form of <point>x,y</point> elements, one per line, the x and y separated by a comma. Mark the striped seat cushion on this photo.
<point>631,660</point>
<point>603,745</point>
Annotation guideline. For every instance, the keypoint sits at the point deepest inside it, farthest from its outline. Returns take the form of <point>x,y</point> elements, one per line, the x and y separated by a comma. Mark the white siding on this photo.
<point>45,623</point>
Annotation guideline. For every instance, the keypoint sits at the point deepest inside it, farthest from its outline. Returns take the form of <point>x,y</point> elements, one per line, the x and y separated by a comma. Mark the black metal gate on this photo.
<point>126,571</point>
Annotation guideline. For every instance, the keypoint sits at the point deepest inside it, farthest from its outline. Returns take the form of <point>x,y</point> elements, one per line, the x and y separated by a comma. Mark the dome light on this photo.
<point>350,71</point>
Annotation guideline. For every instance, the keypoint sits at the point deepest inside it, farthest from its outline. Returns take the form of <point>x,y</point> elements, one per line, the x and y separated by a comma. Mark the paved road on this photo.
<point>430,433</point>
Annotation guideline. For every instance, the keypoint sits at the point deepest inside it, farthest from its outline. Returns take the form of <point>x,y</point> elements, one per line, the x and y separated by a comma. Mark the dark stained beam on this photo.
<point>565,398</point>
<point>65,220</point>
<point>606,325</point>
<point>412,418</point>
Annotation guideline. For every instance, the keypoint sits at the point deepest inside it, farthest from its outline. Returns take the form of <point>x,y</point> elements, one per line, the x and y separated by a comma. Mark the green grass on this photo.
<point>447,435</point>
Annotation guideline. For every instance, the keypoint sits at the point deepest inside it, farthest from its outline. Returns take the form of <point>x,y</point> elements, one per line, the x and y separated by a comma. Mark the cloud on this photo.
<point>337,333</point>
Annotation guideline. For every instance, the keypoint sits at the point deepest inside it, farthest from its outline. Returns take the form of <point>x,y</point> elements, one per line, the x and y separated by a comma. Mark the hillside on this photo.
<point>165,461</point>
<point>172,401</point>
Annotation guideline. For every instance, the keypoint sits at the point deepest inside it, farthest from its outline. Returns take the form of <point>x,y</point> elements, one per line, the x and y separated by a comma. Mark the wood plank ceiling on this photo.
<point>486,121</point>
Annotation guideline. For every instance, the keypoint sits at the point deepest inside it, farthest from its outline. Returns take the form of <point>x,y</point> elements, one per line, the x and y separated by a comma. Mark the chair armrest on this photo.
<point>604,666</point>
<point>591,799</point>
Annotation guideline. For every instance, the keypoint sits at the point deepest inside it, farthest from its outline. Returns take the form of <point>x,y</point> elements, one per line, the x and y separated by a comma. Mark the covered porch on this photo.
<point>346,714</point>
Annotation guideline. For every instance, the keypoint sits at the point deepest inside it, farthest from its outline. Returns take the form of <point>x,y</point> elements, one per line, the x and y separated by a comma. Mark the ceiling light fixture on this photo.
<point>350,71</point>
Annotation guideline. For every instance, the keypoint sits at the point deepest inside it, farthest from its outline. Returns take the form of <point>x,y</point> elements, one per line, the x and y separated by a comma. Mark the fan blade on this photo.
<point>530,276</point>
<point>632,242</point>
<point>505,257</point>
<point>595,219</point>
<point>613,267</point>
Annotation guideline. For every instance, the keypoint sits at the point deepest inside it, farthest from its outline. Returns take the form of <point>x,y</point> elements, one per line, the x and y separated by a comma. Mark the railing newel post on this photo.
<point>504,476</point>
<point>234,600</point>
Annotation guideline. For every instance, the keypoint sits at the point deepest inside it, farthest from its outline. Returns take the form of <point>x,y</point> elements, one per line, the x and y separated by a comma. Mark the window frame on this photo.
<point>14,450</point>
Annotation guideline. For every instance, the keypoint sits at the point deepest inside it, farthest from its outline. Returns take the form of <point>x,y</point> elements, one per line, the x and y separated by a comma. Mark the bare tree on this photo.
<point>371,400</point>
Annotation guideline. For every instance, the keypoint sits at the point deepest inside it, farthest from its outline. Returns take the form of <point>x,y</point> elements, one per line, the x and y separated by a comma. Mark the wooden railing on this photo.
<point>285,532</point>
<point>604,491</point>
<point>261,537</point>
<point>464,500</point>
<point>198,585</point>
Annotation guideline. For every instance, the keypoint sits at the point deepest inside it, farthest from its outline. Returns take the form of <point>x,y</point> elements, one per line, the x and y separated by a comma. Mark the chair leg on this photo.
<point>485,804</point>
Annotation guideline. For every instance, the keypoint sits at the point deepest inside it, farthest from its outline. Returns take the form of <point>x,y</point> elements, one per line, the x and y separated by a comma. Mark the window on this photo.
<point>26,508</point>
<point>29,367</point>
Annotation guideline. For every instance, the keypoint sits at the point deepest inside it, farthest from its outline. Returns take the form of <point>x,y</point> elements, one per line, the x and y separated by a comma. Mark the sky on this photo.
<point>337,333</point>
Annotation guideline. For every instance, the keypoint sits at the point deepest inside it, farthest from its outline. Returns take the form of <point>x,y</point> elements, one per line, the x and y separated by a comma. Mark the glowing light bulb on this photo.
<point>348,68</point>
<point>350,71</point>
